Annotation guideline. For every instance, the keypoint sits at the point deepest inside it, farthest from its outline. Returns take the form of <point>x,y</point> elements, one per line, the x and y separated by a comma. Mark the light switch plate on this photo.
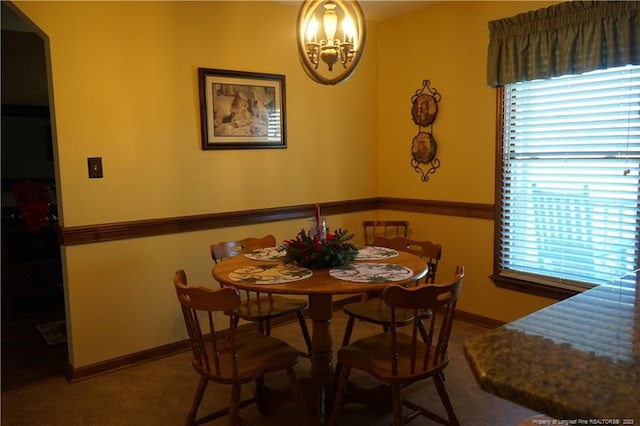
<point>95,167</point>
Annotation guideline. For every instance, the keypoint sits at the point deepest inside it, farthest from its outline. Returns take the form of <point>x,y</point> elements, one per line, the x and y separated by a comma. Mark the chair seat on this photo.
<point>257,355</point>
<point>264,308</point>
<point>371,354</point>
<point>376,312</point>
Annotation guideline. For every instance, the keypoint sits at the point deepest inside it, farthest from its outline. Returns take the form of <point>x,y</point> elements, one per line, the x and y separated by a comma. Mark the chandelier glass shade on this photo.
<point>331,36</point>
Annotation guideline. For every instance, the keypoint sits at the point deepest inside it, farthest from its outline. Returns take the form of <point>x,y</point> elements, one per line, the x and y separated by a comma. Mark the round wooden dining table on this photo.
<point>319,287</point>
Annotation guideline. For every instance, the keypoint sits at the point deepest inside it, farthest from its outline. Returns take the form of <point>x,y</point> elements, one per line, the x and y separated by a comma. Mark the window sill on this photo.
<point>532,288</point>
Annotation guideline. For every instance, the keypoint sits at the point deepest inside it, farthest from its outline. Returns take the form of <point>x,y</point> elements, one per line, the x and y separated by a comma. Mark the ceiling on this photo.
<point>375,10</point>
<point>381,10</point>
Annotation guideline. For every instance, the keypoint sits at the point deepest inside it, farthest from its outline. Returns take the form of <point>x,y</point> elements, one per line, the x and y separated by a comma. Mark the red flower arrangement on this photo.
<point>32,200</point>
<point>316,252</point>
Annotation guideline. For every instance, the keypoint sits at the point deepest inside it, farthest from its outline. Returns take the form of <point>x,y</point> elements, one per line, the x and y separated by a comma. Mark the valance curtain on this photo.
<point>568,38</point>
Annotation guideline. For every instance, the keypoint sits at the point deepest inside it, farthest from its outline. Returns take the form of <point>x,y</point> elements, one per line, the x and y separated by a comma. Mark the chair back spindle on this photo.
<point>438,299</point>
<point>384,228</point>
<point>431,252</point>
<point>220,251</point>
<point>198,307</point>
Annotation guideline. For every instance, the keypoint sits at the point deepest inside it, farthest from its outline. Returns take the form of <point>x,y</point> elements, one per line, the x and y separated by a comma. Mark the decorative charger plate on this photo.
<point>372,272</point>
<point>423,147</point>
<point>269,274</point>
<point>274,254</point>
<point>375,253</point>
<point>424,109</point>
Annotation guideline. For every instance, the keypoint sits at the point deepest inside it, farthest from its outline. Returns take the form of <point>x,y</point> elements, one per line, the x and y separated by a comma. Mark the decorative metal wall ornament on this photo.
<point>424,110</point>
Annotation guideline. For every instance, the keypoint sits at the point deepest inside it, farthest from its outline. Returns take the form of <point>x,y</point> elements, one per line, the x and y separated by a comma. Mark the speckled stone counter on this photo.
<point>577,360</point>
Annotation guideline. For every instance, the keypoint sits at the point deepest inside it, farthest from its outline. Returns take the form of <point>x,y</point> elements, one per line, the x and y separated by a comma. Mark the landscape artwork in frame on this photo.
<point>240,110</point>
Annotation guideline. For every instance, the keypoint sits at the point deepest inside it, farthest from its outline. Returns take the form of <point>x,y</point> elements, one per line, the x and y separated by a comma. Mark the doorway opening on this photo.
<point>32,286</point>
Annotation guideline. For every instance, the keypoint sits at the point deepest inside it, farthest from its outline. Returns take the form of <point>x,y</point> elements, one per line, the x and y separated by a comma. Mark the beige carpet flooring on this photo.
<point>160,393</point>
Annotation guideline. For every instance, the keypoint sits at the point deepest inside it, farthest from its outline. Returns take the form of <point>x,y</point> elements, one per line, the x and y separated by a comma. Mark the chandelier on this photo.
<point>330,52</point>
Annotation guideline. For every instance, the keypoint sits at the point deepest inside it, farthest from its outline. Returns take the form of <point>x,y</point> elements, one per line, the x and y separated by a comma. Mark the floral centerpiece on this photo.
<point>32,201</point>
<point>316,252</point>
<point>320,248</point>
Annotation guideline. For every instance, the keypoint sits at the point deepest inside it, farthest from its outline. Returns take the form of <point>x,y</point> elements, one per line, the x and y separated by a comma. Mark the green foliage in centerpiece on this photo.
<point>316,253</point>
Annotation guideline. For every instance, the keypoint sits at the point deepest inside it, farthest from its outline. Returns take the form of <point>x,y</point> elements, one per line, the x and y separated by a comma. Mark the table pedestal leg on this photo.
<point>320,311</point>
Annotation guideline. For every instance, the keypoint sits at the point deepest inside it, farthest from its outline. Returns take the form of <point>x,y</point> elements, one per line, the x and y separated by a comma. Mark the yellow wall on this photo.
<point>124,81</point>
<point>446,43</point>
<point>125,89</point>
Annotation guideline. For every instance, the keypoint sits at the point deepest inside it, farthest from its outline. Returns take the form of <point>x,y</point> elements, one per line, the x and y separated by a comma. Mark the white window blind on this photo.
<point>570,179</point>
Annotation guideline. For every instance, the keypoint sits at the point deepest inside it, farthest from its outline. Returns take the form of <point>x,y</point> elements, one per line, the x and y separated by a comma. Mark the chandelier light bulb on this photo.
<point>349,31</point>
<point>330,22</point>
<point>312,30</point>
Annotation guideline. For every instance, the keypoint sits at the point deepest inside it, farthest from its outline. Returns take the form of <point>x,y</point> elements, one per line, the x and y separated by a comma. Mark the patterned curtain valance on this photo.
<point>567,38</point>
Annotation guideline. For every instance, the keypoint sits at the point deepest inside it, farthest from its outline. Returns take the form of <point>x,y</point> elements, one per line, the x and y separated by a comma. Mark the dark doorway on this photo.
<point>32,286</point>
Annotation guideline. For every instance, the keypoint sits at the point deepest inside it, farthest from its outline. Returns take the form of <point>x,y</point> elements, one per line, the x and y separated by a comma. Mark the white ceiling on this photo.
<point>380,10</point>
<point>374,10</point>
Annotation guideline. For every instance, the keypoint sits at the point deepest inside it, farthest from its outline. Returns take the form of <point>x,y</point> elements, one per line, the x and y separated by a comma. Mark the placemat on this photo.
<point>269,274</point>
<point>375,253</point>
<point>372,272</point>
<point>273,254</point>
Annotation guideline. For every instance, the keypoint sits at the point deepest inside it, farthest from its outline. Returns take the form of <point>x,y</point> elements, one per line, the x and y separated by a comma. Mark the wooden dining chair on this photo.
<point>229,357</point>
<point>373,310</point>
<point>397,358</point>
<point>262,308</point>
<point>384,228</point>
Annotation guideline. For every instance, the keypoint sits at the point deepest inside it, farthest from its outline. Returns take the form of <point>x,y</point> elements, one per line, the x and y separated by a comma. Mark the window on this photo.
<point>568,180</point>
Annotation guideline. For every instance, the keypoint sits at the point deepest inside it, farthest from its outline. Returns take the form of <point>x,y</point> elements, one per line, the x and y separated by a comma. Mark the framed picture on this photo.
<point>241,110</point>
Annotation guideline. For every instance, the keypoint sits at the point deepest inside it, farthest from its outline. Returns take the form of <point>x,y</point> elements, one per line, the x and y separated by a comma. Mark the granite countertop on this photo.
<point>577,360</point>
